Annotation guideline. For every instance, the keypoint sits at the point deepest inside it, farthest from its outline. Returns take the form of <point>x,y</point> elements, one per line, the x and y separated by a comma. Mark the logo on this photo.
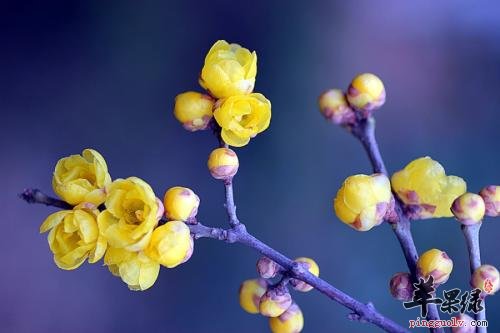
<point>488,286</point>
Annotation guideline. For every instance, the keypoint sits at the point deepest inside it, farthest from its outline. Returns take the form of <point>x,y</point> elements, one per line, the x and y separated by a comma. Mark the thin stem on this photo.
<point>238,234</point>
<point>364,131</point>
<point>471,234</point>
<point>33,195</point>
<point>230,206</point>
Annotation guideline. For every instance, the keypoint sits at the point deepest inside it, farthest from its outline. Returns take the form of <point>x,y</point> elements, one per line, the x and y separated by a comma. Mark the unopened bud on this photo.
<point>291,321</point>
<point>487,279</point>
<point>267,268</point>
<point>274,302</point>
<point>309,265</point>
<point>468,208</point>
<point>223,163</point>
<point>491,197</point>
<point>193,110</point>
<point>401,286</point>
<point>181,203</point>
<point>436,263</point>
<point>250,293</point>
<point>366,93</point>
<point>334,107</point>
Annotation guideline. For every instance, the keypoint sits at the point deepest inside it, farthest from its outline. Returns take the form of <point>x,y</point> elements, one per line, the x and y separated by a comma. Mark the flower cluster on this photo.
<point>117,220</point>
<point>228,75</point>
<point>422,190</point>
<point>274,300</point>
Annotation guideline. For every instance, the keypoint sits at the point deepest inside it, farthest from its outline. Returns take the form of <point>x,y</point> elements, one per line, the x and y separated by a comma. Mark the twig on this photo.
<point>238,234</point>
<point>32,195</point>
<point>364,131</point>
<point>471,234</point>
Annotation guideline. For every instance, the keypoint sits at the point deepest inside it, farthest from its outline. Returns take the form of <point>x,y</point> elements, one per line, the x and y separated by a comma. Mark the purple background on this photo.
<point>103,74</point>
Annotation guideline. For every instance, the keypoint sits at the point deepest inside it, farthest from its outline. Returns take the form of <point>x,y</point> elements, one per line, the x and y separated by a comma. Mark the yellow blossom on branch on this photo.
<point>242,117</point>
<point>132,212</point>
<point>136,269</point>
<point>229,70</point>
<point>363,201</point>
<point>426,190</point>
<point>81,178</point>
<point>74,236</point>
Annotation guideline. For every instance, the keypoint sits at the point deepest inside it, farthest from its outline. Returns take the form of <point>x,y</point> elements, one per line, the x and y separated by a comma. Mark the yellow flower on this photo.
<point>81,178</point>
<point>491,197</point>
<point>136,269</point>
<point>363,201</point>
<point>223,163</point>
<point>132,212</point>
<point>180,203</point>
<point>468,208</point>
<point>426,190</point>
<point>171,244</point>
<point>312,267</point>
<point>291,321</point>
<point>366,93</point>
<point>229,70</point>
<point>334,107</point>
<point>74,236</point>
<point>242,117</point>
<point>436,263</point>
<point>193,110</point>
<point>250,293</point>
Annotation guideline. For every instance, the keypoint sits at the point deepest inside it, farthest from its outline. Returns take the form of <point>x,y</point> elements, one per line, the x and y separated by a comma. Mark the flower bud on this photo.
<point>171,244</point>
<point>180,203</point>
<point>312,267</point>
<point>426,190</point>
<point>223,163</point>
<point>291,321</point>
<point>401,286</point>
<point>466,327</point>
<point>267,268</point>
<point>334,107</point>
<point>193,110</point>
<point>363,201</point>
<point>250,293</point>
<point>274,302</point>
<point>366,93</point>
<point>486,278</point>
<point>468,208</point>
<point>491,197</point>
<point>436,263</point>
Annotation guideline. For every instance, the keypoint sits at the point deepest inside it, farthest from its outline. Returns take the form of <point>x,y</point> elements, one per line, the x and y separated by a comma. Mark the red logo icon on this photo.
<point>488,286</point>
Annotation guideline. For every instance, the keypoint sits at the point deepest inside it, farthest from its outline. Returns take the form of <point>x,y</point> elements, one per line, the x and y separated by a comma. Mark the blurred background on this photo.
<point>103,74</point>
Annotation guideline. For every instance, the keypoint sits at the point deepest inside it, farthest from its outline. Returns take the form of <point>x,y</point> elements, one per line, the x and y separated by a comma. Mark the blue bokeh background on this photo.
<point>104,74</point>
